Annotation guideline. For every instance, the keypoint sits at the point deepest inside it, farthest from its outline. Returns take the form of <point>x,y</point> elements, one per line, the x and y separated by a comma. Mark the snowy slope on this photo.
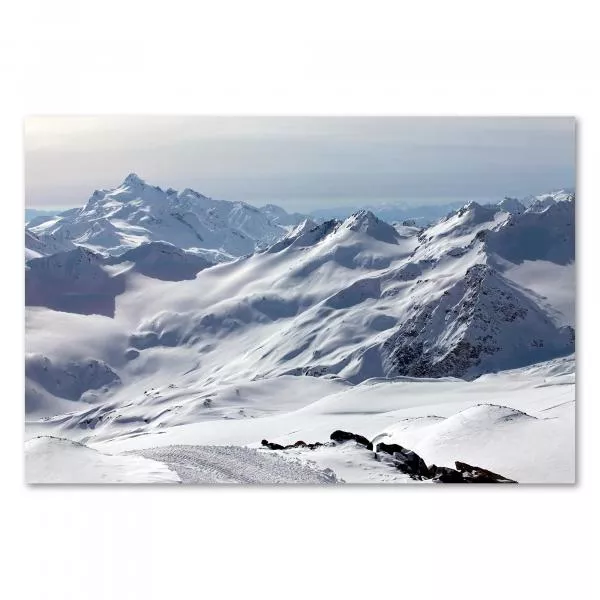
<point>72,281</point>
<point>518,423</point>
<point>82,281</point>
<point>44,244</point>
<point>47,383</point>
<point>57,460</point>
<point>160,260</point>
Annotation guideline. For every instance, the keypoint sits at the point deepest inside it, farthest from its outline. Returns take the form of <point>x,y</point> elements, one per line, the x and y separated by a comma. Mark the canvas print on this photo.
<point>299,300</point>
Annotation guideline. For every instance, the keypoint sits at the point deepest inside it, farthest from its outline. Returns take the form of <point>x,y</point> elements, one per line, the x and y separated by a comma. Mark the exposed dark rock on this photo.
<point>310,446</point>
<point>473,474</point>
<point>474,311</point>
<point>298,444</point>
<point>465,473</point>
<point>271,445</point>
<point>405,460</point>
<point>445,475</point>
<point>345,436</point>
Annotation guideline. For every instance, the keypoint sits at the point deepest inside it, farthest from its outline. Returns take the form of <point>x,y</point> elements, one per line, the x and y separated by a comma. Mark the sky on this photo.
<point>301,163</point>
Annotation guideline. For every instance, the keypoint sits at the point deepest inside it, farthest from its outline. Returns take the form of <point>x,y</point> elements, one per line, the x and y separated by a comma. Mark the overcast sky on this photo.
<point>301,163</point>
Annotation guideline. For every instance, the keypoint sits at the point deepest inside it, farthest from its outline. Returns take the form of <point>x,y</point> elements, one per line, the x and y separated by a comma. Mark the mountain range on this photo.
<point>169,302</point>
<point>117,220</point>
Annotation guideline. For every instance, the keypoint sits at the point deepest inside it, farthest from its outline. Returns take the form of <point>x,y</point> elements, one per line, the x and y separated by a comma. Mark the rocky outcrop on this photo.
<point>298,444</point>
<point>482,323</point>
<point>409,462</point>
<point>473,474</point>
<point>405,460</point>
<point>445,475</point>
<point>345,436</point>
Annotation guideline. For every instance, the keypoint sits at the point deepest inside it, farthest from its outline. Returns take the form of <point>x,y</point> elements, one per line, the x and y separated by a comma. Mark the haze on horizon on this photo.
<point>301,163</point>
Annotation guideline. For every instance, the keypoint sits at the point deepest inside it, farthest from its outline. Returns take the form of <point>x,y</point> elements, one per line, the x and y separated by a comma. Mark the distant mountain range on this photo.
<point>239,212</point>
<point>117,220</point>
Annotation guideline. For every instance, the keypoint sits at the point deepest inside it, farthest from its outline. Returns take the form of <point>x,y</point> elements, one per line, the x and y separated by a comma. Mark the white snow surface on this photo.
<point>520,424</point>
<point>57,460</point>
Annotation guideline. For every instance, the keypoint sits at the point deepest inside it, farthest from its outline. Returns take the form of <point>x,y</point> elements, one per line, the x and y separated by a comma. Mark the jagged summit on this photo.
<point>308,233</point>
<point>475,213</point>
<point>188,192</point>
<point>133,179</point>
<point>511,205</point>
<point>563,194</point>
<point>360,218</point>
<point>302,228</point>
<point>461,226</point>
<point>541,204</point>
<point>364,221</point>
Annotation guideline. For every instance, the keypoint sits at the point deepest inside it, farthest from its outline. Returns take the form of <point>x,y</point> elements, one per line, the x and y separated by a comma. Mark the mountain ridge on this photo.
<point>135,212</point>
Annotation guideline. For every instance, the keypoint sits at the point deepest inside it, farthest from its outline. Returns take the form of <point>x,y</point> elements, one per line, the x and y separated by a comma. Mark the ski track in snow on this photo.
<point>234,464</point>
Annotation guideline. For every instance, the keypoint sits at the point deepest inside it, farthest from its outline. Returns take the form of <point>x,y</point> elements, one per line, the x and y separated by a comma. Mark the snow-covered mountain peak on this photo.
<point>306,234</point>
<point>364,221</point>
<point>541,204</point>
<point>133,180</point>
<point>511,205</point>
<point>460,227</point>
<point>189,193</point>
<point>474,213</point>
<point>302,228</point>
<point>120,202</point>
<point>542,201</point>
<point>361,218</point>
